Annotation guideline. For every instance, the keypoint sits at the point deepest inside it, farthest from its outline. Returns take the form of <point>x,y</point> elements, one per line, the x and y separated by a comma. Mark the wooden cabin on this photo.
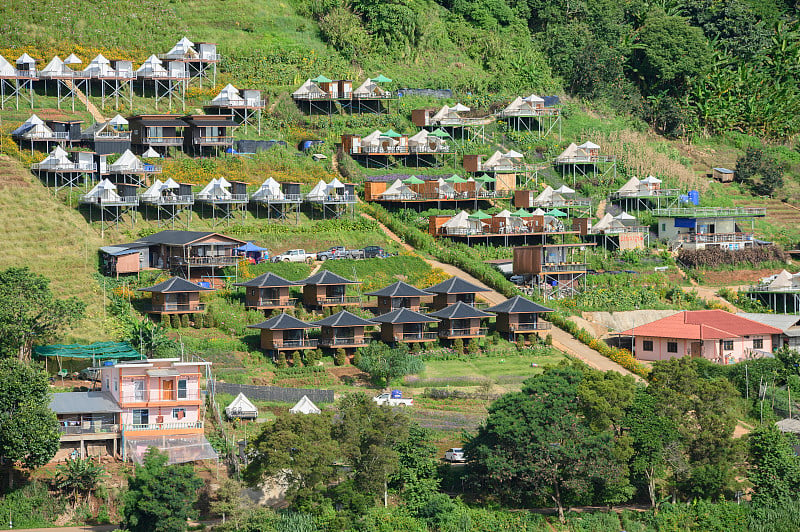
<point>326,289</point>
<point>519,315</point>
<point>460,320</point>
<point>156,131</point>
<point>398,295</point>
<point>285,333</point>
<point>175,296</point>
<point>549,258</point>
<point>723,175</point>
<point>343,330</point>
<point>403,325</point>
<point>454,290</point>
<point>267,292</point>
<point>208,132</point>
<point>70,128</point>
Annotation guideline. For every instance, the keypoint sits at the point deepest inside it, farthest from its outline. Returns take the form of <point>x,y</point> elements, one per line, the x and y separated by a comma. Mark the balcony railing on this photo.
<point>710,212</point>
<point>419,337</point>
<point>145,169</point>
<point>574,202</point>
<point>714,238</point>
<point>285,198</point>
<point>442,196</point>
<point>380,150</point>
<point>120,135</point>
<point>338,198</point>
<point>53,135</point>
<point>524,327</point>
<point>503,168</point>
<point>333,342</point>
<point>159,396</point>
<point>159,74</point>
<point>304,343</point>
<point>661,192</point>
<point>188,57</point>
<point>322,96</point>
<point>163,141</point>
<point>387,95</point>
<point>563,267</point>
<point>89,428</point>
<point>163,426</point>
<point>461,333</point>
<point>65,167</point>
<point>214,140</point>
<point>542,111</point>
<point>218,260</point>
<point>169,200</point>
<point>459,121</point>
<point>272,302</point>
<point>428,150</point>
<point>123,201</point>
<point>339,300</point>
<point>447,231</point>
<point>28,74</point>
<point>175,307</point>
<point>228,198</point>
<point>240,102</point>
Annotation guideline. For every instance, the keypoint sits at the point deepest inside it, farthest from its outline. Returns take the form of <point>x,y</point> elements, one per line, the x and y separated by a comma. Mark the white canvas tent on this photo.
<point>73,59</point>
<point>241,407</point>
<point>538,212</point>
<point>781,281</point>
<point>318,193</point>
<point>151,154</point>
<point>127,162</point>
<point>398,188</point>
<point>630,187</point>
<point>461,223</point>
<point>158,190</point>
<point>444,188</point>
<point>228,95</point>
<point>183,49</point>
<point>309,89</point>
<point>118,121</point>
<point>57,159</point>
<point>33,128</point>
<point>564,190</point>
<point>55,68</point>
<point>216,189</point>
<point>152,67</point>
<point>269,190</point>
<point>6,68</point>
<point>459,108</point>
<point>305,406</point>
<point>103,192</point>
<point>569,154</point>
<point>369,88</point>
<point>99,66</point>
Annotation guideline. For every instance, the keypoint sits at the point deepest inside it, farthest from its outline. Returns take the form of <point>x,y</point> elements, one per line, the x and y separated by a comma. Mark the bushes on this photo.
<point>717,257</point>
<point>340,358</point>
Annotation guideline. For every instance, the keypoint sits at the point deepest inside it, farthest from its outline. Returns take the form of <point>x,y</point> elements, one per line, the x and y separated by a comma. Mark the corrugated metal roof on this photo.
<point>83,403</point>
<point>455,285</point>
<point>400,289</point>
<point>702,325</point>
<point>403,315</point>
<point>175,284</point>
<point>342,319</point>
<point>459,311</point>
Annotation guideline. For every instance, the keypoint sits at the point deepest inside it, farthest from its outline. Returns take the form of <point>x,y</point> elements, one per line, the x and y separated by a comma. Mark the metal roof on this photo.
<point>459,311</point>
<point>455,285</point>
<point>518,305</point>
<point>268,279</point>
<point>327,277</point>
<point>403,315</point>
<point>181,238</point>
<point>83,403</point>
<point>342,319</point>
<point>175,284</point>
<point>281,322</point>
<point>784,322</point>
<point>159,120</point>
<point>210,120</point>
<point>400,289</point>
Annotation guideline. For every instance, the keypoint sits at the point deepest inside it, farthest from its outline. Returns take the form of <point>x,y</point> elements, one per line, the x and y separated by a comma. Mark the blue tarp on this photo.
<point>249,246</point>
<point>685,222</point>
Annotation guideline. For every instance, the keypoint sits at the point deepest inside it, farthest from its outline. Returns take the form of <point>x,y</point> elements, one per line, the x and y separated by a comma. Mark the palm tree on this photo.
<point>79,477</point>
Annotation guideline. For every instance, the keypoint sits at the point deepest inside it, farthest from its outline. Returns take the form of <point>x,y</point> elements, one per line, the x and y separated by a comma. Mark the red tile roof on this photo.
<point>702,325</point>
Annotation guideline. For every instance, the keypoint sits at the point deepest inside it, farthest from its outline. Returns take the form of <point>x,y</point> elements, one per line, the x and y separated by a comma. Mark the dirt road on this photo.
<point>561,339</point>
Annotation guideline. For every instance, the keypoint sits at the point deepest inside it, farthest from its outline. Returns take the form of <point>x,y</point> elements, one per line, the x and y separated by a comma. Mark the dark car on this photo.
<point>371,252</point>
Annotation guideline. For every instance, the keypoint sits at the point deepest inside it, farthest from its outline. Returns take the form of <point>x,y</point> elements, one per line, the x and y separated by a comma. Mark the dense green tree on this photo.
<point>28,428</point>
<point>297,448</point>
<point>30,312</point>
<point>536,444</point>
<point>78,477</point>
<point>384,363</point>
<point>774,466</point>
<point>160,497</point>
<point>759,171</point>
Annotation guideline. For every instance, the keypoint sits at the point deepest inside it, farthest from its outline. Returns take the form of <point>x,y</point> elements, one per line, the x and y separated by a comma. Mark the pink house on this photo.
<point>716,335</point>
<point>141,404</point>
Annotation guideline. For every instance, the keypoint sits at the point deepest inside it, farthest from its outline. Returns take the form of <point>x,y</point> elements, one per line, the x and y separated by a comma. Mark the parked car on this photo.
<point>295,255</point>
<point>456,454</point>
<point>371,252</point>
<point>340,252</point>
<point>395,398</point>
<point>517,279</point>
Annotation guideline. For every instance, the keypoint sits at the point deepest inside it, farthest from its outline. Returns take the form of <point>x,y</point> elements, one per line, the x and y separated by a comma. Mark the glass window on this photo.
<point>672,347</point>
<point>182,389</point>
<point>141,416</point>
<point>758,343</point>
<point>178,413</point>
<point>647,345</point>
<point>727,345</point>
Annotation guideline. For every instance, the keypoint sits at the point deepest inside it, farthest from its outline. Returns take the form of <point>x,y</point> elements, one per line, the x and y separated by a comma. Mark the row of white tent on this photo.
<point>421,139</point>
<point>309,89</point>
<point>34,128</point>
<point>100,67</point>
<point>128,162</point>
<point>610,224</point>
<point>463,223</point>
<point>243,408</point>
<point>639,187</point>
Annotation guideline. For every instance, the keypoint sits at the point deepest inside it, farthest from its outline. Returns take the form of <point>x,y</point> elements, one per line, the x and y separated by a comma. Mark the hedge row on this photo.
<point>460,255</point>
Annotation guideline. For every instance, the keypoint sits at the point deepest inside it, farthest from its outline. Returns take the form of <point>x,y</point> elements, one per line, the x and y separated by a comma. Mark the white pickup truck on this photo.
<point>387,399</point>
<point>295,255</point>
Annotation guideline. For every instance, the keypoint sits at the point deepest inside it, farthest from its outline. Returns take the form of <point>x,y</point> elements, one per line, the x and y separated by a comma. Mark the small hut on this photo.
<point>452,291</point>
<point>406,326</point>
<point>327,289</point>
<point>399,295</point>
<point>175,296</point>
<point>460,320</point>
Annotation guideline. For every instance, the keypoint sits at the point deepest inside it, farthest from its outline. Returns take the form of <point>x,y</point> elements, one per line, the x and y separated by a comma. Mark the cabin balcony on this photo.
<point>241,103</point>
<point>338,300</point>
<point>563,267</point>
<point>163,141</point>
<point>88,428</point>
<point>337,199</point>
<point>171,200</point>
<point>146,169</point>
<point>271,303</point>
<point>286,198</point>
<point>115,135</point>
<point>21,74</point>
<point>116,75</point>
<point>192,426</point>
<point>213,141</point>
<point>348,341</point>
<point>380,150</point>
<point>710,212</point>
<point>205,57</point>
<point>713,238</point>
<point>575,202</point>
<point>525,113</point>
<point>411,337</point>
<point>160,396</point>
<point>470,332</point>
<point>585,159</point>
<point>51,136</point>
<point>70,167</point>
<point>163,75</point>
<point>175,308</point>
<point>388,95</point>
<point>658,193</point>
<point>528,327</point>
<point>218,260</point>
<point>225,200</point>
<point>303,343</point>
<point>428,150</point>
<point>125,201</point>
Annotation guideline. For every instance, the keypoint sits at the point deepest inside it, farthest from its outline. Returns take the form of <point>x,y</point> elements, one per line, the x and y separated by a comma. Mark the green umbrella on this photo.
<point>392,133</point>
<point>381,79</point>
<point>522,213</point>
<point>321,79</point>
<point>479,215</point>
<point>413,180</point>
<point>485,179</point>
<point>439,132</point>
<point>455,179</point>
<point>556,213</point>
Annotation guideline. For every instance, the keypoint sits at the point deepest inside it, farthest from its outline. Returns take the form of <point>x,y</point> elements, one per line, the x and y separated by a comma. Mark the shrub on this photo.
<point>520,342</point>
<point>458,346</point>
<point>280,361</point>
<point>548,340</point>
<point>357,357</point>
<point>532,339</point>
<point>473,348</point>
<point>297,360</point>
<point>340,358</point>
<point>184,320</point>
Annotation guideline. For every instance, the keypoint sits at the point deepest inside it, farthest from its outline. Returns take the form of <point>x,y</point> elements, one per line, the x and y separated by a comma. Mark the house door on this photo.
<point>168,390</point>
<point>696,349</point>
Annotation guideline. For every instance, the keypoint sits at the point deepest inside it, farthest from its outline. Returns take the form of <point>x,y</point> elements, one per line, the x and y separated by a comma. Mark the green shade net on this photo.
<point>381,79</point>
<point>556,213</point>
<point>321,79</point>
<point>392,133</point>
<point>521,213</point>
<point>485,179</point>
<point>439,132</point>
<point>479,215</point>
<point>95,351</point>
<point>413,180</point>
<point>455,179</point>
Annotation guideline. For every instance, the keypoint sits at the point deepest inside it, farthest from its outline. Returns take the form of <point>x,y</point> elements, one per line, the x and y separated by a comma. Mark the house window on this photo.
<point>141,416</point>
<point>758,343</point>
<point>663,227</point>
<point>672,347</point>
<point>182,389</point>
<point>727,345</point>
<point>647,345</point>
<point>178,413</point>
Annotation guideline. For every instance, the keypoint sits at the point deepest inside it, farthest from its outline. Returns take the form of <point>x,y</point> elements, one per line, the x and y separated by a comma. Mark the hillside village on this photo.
<point>298,286</point>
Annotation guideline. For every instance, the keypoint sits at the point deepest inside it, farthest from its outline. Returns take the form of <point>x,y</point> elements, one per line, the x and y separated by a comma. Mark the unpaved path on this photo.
<point>93,110</point>
<point>561,339</point>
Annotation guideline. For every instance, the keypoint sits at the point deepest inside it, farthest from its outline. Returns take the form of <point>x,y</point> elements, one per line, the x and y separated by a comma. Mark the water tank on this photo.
<point>694,197</point>
<point>397,394</point>
<point>108,362</point>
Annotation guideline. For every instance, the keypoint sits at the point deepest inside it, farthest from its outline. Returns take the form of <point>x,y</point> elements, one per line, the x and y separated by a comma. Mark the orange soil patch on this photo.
<point>12,175</point>
<point>737,277</point>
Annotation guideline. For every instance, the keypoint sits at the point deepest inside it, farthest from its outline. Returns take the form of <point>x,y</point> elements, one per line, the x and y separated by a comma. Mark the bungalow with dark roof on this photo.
<point>460,320</point>
<point>452,291</point>
<point>327,289</point>
<point>716,335</point>
<point>268,291</point>
<point>175,296</point>
<point>343,329</point>
<point>406,326</point>
<point>285,333</point>
<point>399,295</point>
<point>519,315</point>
